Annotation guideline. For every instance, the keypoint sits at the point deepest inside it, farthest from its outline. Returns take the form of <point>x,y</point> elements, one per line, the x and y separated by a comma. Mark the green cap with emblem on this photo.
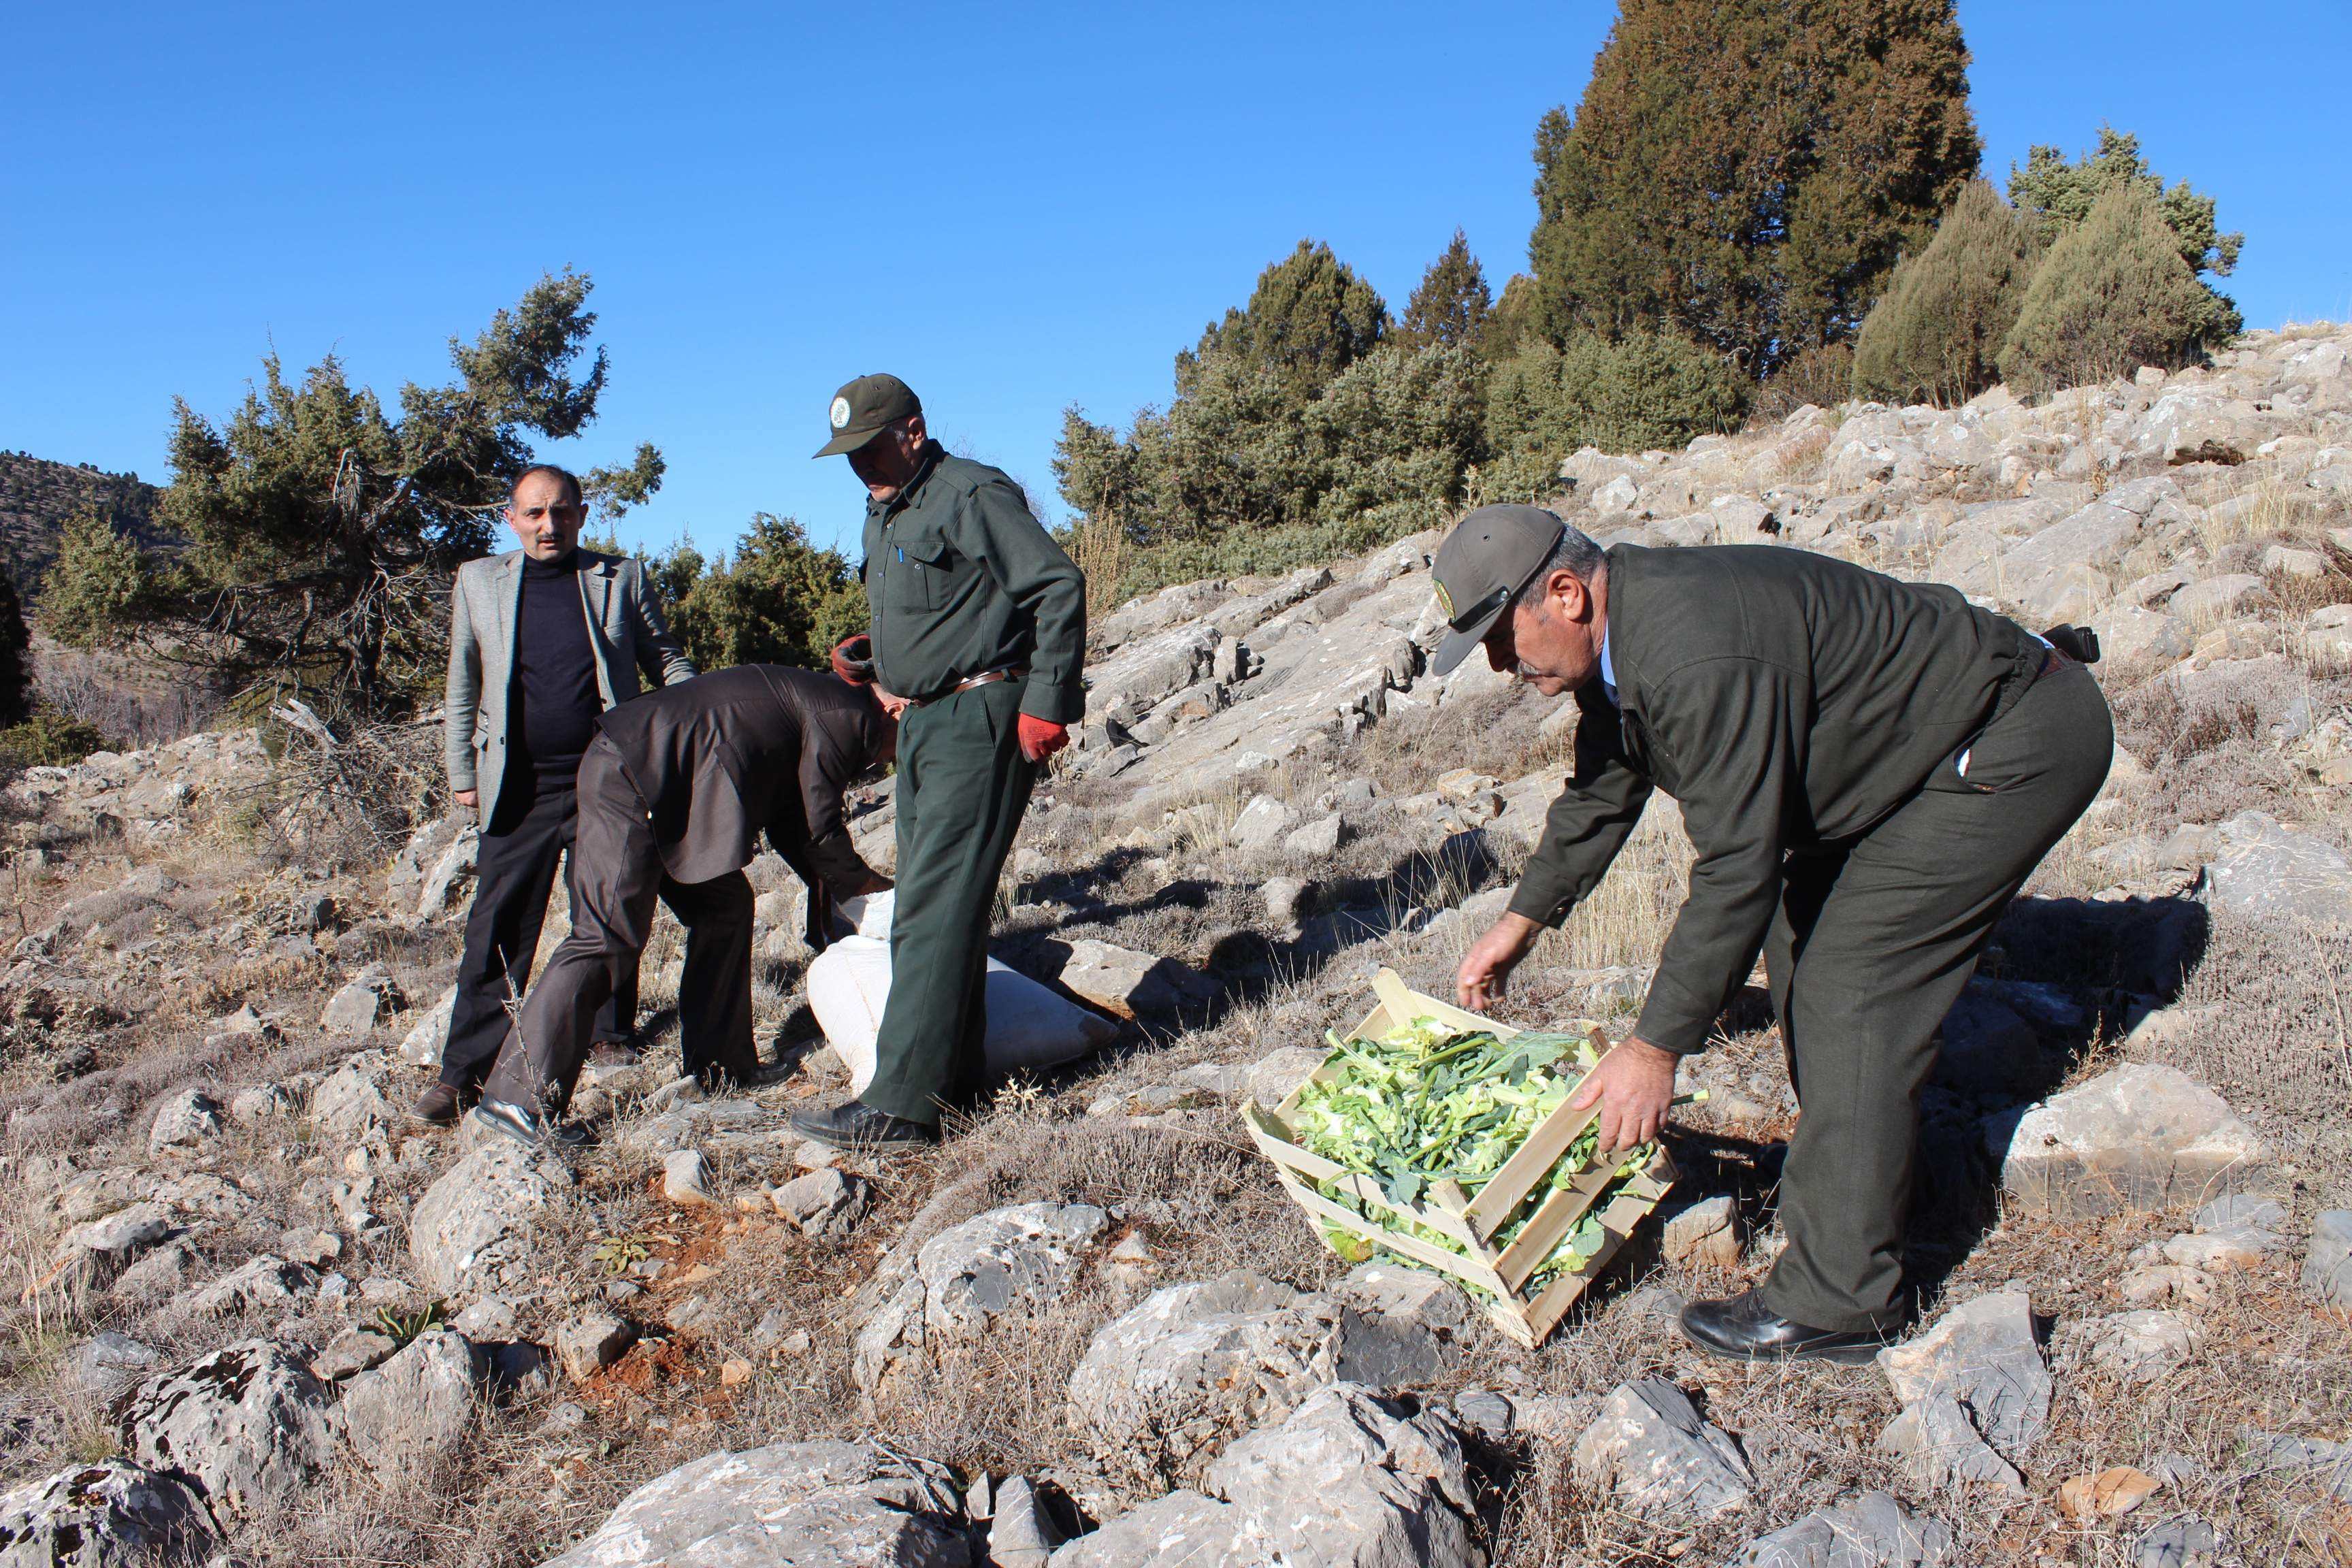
<point>1490,555</point>
<point>862,409</point>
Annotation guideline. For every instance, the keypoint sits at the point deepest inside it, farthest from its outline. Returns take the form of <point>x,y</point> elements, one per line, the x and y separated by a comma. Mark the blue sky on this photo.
<point>1013,206</point>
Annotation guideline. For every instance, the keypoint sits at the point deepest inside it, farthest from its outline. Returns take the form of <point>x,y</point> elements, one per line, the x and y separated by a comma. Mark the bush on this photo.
<point>1398,428</point>
<point>779,600</point>
<point>2113,295</point>
<point>1935,334</point>
<point>1647,390</point>
<point>49,741</point>
<point>1308,319</point>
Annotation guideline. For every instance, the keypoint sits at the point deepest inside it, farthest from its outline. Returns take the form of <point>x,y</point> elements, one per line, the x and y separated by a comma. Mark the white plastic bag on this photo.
<point>1028,1026</point>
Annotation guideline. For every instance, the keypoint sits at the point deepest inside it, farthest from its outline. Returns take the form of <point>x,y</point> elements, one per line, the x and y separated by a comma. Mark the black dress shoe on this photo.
<point>853,1124</point>
<point>436,1107</point>
<point>1744,1328</point>
<point>525,1128</point>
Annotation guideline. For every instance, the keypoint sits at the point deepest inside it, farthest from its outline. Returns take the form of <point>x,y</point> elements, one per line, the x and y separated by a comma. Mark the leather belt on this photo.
<point>985,677</point>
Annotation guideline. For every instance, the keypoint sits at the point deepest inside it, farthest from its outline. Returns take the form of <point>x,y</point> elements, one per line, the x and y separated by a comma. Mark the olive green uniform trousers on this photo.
<point>962,787</point>
<point>1873,940</point>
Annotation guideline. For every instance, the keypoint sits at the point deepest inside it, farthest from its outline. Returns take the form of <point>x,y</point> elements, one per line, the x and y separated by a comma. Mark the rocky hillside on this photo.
<point>251,1306</point>
<point>37,496</point>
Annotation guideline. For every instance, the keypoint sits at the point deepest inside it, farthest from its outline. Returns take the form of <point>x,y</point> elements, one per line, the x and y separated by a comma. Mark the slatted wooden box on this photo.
<point>1502,1272</point>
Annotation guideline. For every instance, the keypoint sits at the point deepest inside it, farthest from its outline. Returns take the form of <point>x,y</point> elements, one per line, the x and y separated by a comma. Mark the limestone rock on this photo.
<point>823,1201</point>
<point>686,1178</point>
<point>415,1406</point>
<point>2271,873</point>
<point>1260,825</point>
<point>2327,1266</point>
<point>423,1045</point>
<point>1317,839</point>
<point>1939,1445</point>
<point>2138,1137</point>
<point>108,1363</point>
<point>1282,896</point>
<point>1128,983</point>
<point>1650,1448</point>
<point>247,1425</point>
<point>110,1244</point>
<point>473,1230</point>
<point>1399,1326</point>
<point>1868,1531</point>
<point>813,1505</point>
<point>1022,1531</point>
<point>1166,1383</point>
<point>260,1282</point>
<point>349,1104</point>
<point>188,1119</point>
<point>2187,1542</point>
<point>356,1008</point>
<point>1345,1481</point>
<point>2142,1346</point>
<point>1016,1261</point>
<point>588,1344</point>
<point>1983,1354</point>
<point>1273,1077</point>
<point>1706,1233</point>
<point>447,875</point>
<point>111,1514</point>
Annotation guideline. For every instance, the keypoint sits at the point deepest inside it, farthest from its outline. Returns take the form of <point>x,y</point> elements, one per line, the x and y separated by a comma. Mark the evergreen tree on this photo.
<point>1646,390</point>
<point>778,600</point>
<point>1308,320</point>
<point>16,663</point>
<point>2112,295</point>
<point>2059,195</point>
<point>1748,172</point>
<point>321,530</point>
<point>1937,331</point>
<point>1451,306</point>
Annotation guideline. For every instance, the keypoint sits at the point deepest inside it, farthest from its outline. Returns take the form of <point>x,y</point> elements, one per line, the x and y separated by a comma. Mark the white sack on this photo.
<point>1028,1026</point>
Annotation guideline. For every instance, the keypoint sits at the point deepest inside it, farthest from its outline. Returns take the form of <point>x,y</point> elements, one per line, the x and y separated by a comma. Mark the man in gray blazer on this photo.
<point>542,639</point>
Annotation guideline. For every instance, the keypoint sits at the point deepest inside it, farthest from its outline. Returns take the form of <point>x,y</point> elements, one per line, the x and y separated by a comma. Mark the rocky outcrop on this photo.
<point>474,1230</point>
<point>1651,1450</point>
<point>2139,1137</point>
<point>111,1514</point>
<point>248,1425</point>
<point>416,1407</point>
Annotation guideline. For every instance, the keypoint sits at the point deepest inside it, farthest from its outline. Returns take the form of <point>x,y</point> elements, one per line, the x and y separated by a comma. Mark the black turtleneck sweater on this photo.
<point>554,669</point>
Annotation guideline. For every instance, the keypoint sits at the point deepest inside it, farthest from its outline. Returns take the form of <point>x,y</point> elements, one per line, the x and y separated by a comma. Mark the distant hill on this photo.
<point>37,496</point>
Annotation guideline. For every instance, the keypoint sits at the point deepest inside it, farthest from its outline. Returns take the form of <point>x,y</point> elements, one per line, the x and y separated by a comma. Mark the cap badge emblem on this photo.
<point>841,413</point>
<point>1444,600</point>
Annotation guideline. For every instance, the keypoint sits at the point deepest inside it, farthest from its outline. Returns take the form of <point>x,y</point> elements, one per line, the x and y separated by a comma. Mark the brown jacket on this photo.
<point>761,747</point>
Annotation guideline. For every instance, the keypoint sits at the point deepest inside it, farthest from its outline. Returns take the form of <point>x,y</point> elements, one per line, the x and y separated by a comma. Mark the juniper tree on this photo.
<point>1451,306</point>
<point>1308,320</point>
<point>1748,172</point>
<point>2113,294</point>
<point>2058,195</point>
<point>779,599</point>
<point>1937,331</point>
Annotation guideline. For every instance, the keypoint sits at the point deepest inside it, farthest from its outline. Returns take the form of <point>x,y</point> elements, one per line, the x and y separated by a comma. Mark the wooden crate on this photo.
<point>1503,1273</point>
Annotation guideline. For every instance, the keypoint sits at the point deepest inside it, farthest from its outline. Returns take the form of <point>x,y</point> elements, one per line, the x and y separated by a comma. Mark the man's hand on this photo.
<point>892,703</point>
<point>1479,983</point>
<point>1635,1085</point>
<point>1041,738</point>
<point>467,798</point>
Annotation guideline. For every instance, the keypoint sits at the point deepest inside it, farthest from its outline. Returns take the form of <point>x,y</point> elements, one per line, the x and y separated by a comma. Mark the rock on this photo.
<point>108,1362</point>
<point>2327,1267</point>
<point>2241,1209</point>
<point>685,1179</point>
<point>1260,825</point>
<point>1651,1449</point>
<point>104,1247</point>
<point>260,1282</point>
<point>2186,1542</point>
<point>2143,1346</point>
<point>1399,1327</point>
<point>1706,1233</point>
<point>185,1120</point>
<point>248,1424</point>
<point>418,1406</point>
<point>1987,1048</point>
<point>1869,1530</point>
<point>823,1201</point>
<point>348,1105</point>
<point>1939,1447</point>
<point>2228,596</point>
<point>1273,1077</point>
<point>1318,838</point>
<point>474,1230</point>
<point>449,869</point>
<point>1345,1481</point>
<point>2109,1494</point>
<point>1017,1261</point>
<point>2269,873</point>
<point>813,1505</point>
<point>588,1344</point>
<point>1983,1354</point>
<point>248,1107</point>
<point>353,1352</point>
<point>2330,1464</point>
<point>355,1009</point>
<point>1128,983</point>
<point>109,1514</point>
<point>422,1046</point>
<point>156,1277</point>
<point>2165,1283</point>
<point>1165,1384</point>
<point>2139,1137</point>
<point>2289,562</point>
<point>2233,1247</point>
<point>1022,1531</point>
<point>1282,896</point>
<point>316,1248</point>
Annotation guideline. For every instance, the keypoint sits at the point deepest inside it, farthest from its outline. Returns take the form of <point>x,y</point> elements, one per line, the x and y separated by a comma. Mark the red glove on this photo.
<point>1041,738</point>
<point>852,659</point>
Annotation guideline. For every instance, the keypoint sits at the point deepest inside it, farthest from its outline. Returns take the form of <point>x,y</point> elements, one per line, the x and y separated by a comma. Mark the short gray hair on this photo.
<point>1575,554</point>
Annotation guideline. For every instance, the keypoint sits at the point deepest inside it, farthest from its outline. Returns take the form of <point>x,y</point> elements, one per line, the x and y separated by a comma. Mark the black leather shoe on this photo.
<point>436,1107</point>
<point>853,1124</point>
<point>525,1128</point>
<point>1744,1328</point>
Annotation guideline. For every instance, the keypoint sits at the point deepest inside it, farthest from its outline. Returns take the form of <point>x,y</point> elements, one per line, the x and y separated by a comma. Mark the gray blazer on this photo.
<point>626,628</point>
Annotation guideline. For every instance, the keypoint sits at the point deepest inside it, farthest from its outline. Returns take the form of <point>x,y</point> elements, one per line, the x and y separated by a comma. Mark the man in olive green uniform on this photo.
<point>979,628</point>
<point>1869,771</point>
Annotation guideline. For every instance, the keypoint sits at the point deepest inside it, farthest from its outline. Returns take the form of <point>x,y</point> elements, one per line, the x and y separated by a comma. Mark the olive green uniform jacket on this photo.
<point>962,579</point>
<point>1785,699</point>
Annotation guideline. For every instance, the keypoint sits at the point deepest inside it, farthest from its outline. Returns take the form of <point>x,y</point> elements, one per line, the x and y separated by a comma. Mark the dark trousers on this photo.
<point>962,787</point>
<point>1874,940</point>
<point>617,875</point>
<point>527,831</point>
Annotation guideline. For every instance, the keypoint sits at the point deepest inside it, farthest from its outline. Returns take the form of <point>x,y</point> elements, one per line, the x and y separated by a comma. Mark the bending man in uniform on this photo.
<point>675,791</point>
<point>979,622</point>
<point>1869,770</point>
